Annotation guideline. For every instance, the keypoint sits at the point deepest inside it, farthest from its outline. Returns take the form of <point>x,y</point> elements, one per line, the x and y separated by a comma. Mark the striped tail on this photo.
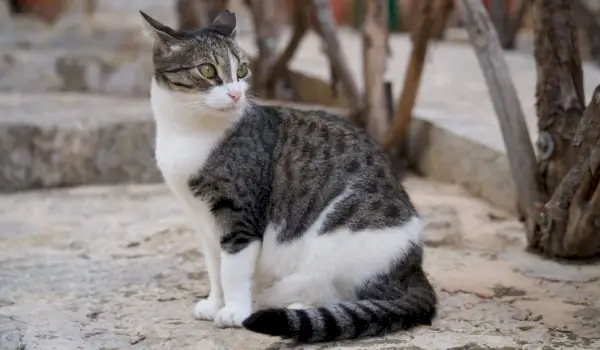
<point>347,320</point>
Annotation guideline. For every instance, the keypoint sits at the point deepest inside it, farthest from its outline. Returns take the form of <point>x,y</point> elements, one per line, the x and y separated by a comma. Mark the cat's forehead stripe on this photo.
<point>233,66</point>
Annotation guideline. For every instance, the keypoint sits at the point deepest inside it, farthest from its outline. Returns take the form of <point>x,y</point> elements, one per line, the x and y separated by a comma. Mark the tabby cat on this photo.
<point>298,211</point>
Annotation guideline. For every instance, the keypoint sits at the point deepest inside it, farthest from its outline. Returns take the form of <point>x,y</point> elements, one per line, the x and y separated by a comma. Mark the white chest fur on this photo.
<point>184,141</point>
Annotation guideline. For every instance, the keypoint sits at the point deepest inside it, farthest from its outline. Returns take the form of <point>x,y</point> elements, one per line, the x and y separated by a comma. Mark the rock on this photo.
<point>441,226</point>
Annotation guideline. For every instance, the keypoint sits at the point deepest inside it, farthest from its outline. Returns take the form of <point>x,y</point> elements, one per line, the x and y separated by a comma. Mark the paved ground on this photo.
<point>117,267</point>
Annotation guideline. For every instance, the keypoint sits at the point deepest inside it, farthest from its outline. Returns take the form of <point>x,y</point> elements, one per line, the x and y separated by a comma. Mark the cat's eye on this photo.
<point>242,70</point>
<point>208,71</point>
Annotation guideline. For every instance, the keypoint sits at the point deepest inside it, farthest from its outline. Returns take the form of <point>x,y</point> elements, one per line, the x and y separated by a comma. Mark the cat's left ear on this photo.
<point>224,24</point>
<point>164,37</point>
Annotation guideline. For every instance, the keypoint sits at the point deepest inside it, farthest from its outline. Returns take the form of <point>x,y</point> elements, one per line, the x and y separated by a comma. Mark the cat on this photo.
<point>298,211</point>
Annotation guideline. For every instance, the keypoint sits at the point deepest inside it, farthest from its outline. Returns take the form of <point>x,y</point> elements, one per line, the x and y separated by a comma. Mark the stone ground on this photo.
<point>117,267</point>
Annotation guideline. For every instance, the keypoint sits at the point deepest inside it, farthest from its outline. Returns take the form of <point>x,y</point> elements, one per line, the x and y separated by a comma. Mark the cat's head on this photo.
<point>203,66</point>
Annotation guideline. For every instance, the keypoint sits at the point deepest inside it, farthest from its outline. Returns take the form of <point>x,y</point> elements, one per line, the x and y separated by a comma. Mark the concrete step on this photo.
<point>83,70</point>
<point>69,139</point>
<point>113,56</point>
<point>53,140</point>
<point>114,26</point>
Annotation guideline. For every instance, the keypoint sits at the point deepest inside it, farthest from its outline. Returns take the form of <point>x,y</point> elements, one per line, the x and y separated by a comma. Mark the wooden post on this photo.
<point>325,27</point>
<point>398,131</point>
<point>521,157</point>
<point>375,55</point>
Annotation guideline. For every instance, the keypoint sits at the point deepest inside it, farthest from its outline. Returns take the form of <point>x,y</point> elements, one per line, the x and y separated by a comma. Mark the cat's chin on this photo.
<point>233,108</point>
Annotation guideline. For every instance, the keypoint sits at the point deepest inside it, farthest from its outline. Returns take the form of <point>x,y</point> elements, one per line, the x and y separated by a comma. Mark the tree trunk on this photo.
<point>568,225</point>
<point>375,55</point>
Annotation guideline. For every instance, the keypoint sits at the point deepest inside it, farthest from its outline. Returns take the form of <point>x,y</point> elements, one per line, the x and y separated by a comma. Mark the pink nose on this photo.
<point>235,96</point>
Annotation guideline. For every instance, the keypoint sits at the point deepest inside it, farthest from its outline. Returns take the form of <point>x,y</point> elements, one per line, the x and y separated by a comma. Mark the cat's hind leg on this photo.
<point>297,289</point>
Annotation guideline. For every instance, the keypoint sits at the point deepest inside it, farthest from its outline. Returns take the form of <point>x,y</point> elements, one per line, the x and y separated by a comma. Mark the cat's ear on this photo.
<point>163,36</point>
<point>224,23</point>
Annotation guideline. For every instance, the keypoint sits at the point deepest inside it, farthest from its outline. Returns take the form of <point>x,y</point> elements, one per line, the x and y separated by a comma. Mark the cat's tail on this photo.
<point>348,320</point>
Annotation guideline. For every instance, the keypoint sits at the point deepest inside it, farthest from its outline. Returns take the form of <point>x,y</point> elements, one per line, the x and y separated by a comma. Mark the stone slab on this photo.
<point>70,139</point>
<point>118,267</point>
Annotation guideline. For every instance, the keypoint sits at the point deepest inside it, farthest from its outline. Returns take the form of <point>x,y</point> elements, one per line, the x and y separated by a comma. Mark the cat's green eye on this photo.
<point>208,71</point>
<point>242,70</point>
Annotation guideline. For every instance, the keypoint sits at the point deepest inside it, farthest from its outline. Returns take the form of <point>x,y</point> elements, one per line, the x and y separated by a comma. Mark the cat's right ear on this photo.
<point>164,37</point>
<point>225,23</point>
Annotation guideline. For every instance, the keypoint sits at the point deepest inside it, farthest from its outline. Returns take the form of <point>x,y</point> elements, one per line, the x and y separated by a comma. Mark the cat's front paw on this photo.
<point>207,309</point>
<point>232,316</point>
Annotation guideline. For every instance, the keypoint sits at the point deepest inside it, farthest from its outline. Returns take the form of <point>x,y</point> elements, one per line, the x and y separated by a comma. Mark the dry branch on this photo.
<point>507,26</point>
<point>324,25</point>
<point>421,34</point>
<point>506,103</point>
<point>375,45</point>
<point>195,14</point>
<point>264,14</point>
<point>514,25</point>
<point>443,10</point>
<point>300,27</point>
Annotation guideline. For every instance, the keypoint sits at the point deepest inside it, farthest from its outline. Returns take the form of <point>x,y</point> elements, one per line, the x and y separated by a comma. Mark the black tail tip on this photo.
<point>271,322</point>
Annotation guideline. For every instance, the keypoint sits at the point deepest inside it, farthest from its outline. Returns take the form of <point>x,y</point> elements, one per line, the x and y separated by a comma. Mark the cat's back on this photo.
<point>329,170</point>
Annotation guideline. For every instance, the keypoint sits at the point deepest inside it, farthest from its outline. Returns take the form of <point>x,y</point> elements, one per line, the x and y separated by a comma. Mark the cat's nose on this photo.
<point>234,95</point>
